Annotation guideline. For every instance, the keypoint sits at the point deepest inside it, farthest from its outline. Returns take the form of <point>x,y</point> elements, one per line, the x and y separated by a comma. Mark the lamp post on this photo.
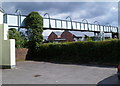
<point>70,21</point>
<point>85,20</point>
<point>48,18</point>
<point>19,18</point>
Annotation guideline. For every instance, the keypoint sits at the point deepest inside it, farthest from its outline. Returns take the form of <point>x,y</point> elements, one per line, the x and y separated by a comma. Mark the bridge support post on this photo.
<point>119,35</point>
<point>115,35</point>
<point>102,37</point>
<point>96,36</point>
<point>99,36</point>
<point>119,19</point>
<point>119,31</point>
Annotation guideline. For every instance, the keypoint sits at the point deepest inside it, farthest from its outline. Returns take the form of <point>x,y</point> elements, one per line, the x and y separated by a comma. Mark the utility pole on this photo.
<point>119,19</point>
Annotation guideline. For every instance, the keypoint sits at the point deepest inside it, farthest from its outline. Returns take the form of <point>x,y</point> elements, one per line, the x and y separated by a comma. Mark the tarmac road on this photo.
<point>30,72</point>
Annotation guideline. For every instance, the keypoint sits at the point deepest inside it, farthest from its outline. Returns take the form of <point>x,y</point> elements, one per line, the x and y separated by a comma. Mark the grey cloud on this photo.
<point>62,7</point>
<point>96,9</point>
<point>91,9</point>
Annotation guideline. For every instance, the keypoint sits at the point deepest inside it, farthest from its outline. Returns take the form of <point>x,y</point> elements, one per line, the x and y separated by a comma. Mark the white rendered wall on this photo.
<point>7,48</point>
<point>5,32</point>
<point>0,56</point>
<point>1,38</point>
<point>1,17</point>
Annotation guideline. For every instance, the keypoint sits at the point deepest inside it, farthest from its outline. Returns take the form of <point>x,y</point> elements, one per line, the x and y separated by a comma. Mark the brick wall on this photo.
<point>67,35</point>
<point>21,53</point>
<point>52,36</point>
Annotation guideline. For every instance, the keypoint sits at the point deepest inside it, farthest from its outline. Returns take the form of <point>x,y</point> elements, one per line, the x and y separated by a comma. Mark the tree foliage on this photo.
<point>14,34</point>
<point>34,25</point>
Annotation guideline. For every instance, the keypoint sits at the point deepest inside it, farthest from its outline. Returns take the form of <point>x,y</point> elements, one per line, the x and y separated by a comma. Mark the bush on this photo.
<point>14,34</point>
<point>80,52</point>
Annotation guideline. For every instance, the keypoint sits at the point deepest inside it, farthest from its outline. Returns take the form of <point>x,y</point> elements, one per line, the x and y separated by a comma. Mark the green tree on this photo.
<point>34,25</point>
<point>14,34</point>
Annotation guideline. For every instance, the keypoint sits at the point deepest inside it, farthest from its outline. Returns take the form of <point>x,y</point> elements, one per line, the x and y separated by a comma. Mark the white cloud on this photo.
<point>114,8</point>
<point>60,15</point>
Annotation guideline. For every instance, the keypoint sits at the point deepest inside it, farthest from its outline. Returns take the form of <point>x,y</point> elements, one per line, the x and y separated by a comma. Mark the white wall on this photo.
<point>1,17</point>
<point>7,46</point>
<point>0,53</point>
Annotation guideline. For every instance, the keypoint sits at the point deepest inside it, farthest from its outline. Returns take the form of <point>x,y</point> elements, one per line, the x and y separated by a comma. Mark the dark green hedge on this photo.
<point>80,52</point>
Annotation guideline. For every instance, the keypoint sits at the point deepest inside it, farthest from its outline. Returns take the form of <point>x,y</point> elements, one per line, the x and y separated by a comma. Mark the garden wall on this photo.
<point>21,53</point>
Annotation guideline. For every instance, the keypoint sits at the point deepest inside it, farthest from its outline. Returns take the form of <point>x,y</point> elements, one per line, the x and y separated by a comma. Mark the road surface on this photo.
<point>31,72</point>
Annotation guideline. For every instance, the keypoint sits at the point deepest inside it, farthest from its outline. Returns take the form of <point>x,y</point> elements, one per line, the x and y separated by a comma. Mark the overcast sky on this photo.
<point>103,12</point>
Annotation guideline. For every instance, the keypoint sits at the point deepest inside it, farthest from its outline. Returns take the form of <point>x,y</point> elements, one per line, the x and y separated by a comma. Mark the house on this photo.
<point>75,35</point>
<point>55,37</point>
<point>69,36</point>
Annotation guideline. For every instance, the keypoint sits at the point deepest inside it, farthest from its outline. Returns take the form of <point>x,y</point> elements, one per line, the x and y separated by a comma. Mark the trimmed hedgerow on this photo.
<point>80,52</point>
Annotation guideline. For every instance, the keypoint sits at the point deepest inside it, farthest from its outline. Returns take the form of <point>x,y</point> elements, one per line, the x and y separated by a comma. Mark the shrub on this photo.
<point>80,52</point>
<point>14,34</point>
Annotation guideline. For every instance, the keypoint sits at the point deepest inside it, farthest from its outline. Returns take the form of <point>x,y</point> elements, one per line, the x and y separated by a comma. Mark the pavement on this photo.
<point>30,72</point>
<point>0,77</point>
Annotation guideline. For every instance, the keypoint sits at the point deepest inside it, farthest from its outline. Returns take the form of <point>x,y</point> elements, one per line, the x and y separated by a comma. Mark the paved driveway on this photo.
<point>48,73</point>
